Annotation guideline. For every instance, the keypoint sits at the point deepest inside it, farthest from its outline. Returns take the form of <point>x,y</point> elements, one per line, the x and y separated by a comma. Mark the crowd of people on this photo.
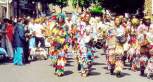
<point>124,41</point>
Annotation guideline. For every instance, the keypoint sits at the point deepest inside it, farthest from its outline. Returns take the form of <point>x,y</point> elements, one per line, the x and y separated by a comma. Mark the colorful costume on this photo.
<point>60,66</point>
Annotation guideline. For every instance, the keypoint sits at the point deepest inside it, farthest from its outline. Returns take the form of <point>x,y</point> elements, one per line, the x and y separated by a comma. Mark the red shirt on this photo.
<point>9,30</point>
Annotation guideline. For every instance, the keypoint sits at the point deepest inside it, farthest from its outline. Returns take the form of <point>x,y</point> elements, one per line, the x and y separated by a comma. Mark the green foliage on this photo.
<point>81,3</point>
<point>74,2</point>
<point>96,9</point>
<point>122,6</point>
<point>61,3</point>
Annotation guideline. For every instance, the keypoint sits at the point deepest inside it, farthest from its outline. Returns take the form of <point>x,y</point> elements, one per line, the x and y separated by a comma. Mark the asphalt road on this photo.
<point>41,71</point>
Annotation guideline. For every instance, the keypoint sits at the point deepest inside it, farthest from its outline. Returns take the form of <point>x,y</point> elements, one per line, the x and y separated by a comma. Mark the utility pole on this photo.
<point>61,4</point>
<point>7,8</point>
<point>18,13</point>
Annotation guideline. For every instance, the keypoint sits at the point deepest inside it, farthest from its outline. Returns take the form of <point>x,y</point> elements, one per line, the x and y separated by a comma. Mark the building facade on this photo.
<point>6,8</point>
<point>148,7</point>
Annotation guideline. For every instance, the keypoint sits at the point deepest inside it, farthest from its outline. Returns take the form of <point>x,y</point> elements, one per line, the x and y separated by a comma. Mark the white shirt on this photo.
<point>120,31</point>
<point>38,30</point>
<point>31,27</point>
<point>87,38</point>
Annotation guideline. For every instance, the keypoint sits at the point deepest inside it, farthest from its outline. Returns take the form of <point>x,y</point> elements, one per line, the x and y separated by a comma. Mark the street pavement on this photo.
<point>41,71</point>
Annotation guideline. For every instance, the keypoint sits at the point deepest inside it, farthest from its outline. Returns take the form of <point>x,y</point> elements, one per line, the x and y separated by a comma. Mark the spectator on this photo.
<point>38,29</point>
<point>9,38</point>
<point>19,41</point>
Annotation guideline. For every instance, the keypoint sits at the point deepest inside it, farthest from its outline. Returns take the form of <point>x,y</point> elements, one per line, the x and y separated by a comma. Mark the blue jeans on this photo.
<point>32,42</point>
<point>18,56</point>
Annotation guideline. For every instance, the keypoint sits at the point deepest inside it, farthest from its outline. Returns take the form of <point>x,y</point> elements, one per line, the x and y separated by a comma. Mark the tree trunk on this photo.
<point>18,13</point>
<point>82,8</point>
<point>61,9</point>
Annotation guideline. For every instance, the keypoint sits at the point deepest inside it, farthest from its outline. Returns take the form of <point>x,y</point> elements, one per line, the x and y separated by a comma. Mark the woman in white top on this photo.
<point>38,30</point>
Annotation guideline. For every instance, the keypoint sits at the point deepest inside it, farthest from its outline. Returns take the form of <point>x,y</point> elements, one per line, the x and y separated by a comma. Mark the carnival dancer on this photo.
<point>73,36</point>
<point>144,43</point>
<point>111,49</point>
<point>119,53</point>
<point>134,48</point>
<point>85,68</point>
<point>118,66</point>
<point>143,30</point>
<point>143,62</point>
<point>120,32</point>
<point>78,61</point>
<point>53,56</point>
<point>101,41</point>
<point>91,49</point>
<point>149,68</point>
<point>111,62</point>
<point>143,55</point>
<point>85,63</point>
<point>111,43</point>
<point>60,66</point>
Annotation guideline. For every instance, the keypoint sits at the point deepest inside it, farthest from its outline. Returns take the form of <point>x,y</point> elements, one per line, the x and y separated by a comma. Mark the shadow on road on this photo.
<point>126,68</point>
<point>70,61</point>
<point>124,74</point>
<point>106,68</point>
<point>5,61</point>
<point>97,57</point>
<point>69,65</point>
<point>94,73</point>
<point>93,69</point>
<point>103,54</point>
<point>2,63</point>
<point>66,73</point>
<point>96,63</point>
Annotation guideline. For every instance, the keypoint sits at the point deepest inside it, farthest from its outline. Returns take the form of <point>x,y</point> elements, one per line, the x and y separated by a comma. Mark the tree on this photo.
<point>96,9</point>
<point>81,3</point>
<point>61,3</point>
<point>122,6</point>
<point>85,3</point>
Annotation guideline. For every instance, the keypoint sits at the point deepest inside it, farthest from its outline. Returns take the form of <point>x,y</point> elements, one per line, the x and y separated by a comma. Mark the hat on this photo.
<point>37,20</point>
<point>135,22</point>
<point>147,17</point>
